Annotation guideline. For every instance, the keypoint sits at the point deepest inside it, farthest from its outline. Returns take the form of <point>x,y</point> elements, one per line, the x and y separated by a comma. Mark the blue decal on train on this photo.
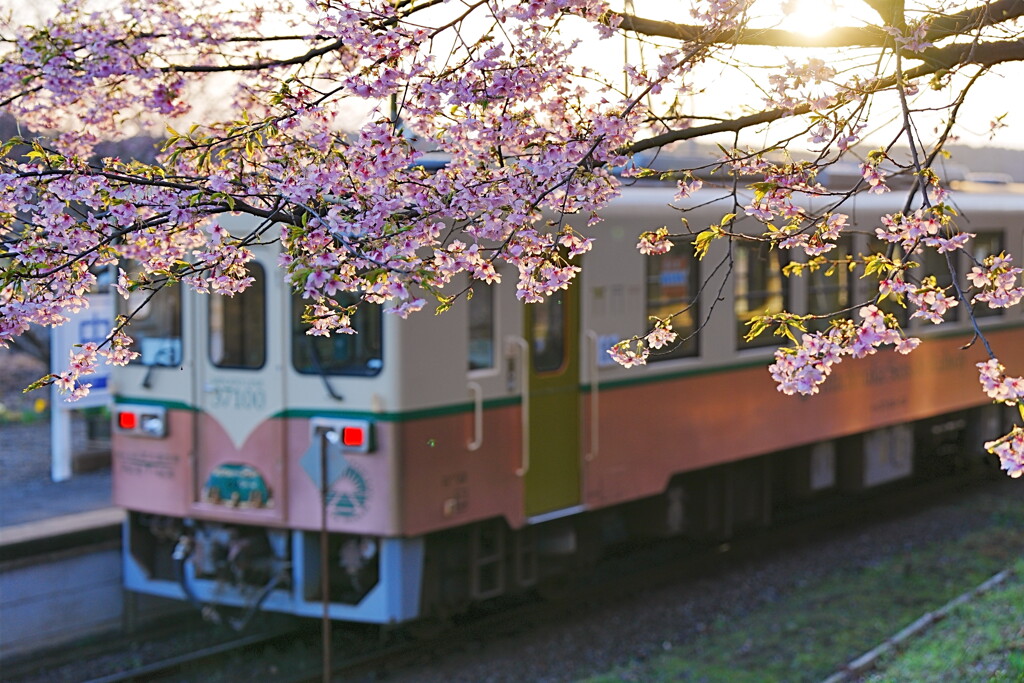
<point>349,496</point>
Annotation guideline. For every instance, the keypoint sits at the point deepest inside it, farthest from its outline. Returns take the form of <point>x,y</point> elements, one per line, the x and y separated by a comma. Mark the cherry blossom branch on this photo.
<point>974,18</point>
<point>937,59</point>
<point>838,37</point>
<point>988,14</point>
<point>263,65</point>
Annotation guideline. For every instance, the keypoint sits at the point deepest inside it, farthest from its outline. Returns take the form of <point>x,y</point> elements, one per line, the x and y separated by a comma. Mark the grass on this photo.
<point>809,633</point>
<point>982,640</point>
<point>21,416</point>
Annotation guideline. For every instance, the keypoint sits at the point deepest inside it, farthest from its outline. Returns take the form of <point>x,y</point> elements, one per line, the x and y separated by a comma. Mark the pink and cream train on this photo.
<point>479,452</point>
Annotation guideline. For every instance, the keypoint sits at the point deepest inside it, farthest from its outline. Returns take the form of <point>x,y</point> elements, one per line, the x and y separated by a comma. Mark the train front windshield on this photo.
<point>356,354</point>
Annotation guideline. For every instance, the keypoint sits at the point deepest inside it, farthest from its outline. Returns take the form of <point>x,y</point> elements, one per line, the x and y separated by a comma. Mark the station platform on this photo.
<point>29,496</point>
<point>60,549</point>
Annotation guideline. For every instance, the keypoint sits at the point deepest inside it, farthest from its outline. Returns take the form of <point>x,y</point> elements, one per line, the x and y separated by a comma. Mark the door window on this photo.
<point>481,327</point>
<point>547,321</point>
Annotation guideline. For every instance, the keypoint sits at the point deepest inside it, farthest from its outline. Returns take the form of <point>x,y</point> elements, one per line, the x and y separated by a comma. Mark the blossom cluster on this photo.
<point>803,82</point>
<point>997,277</point>
<point>363,215</point>
<point>485,142</point>
<point>922,227</point>
<point>1010,450</point>
<point>776,195</point>
<point>930,301</point>
<point>997,385</point>
<point>821,240</point>
<point>875,178</point>
<point>802,369</point>
<point>652,242</point>
<point>84,359</point>
<point>636,351</point>
<point>630,352</point>
<point>1009,390</point>
<point>912,37</point>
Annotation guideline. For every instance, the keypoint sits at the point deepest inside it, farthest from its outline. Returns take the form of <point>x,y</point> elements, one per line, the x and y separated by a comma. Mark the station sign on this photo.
<point>91,324</point>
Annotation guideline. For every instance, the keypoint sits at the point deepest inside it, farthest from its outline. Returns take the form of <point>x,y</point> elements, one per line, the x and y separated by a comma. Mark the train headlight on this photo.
<point>138,420</point>
<point>152,425</point>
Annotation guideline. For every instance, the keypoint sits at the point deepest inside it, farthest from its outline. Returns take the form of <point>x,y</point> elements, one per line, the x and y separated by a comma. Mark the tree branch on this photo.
<point>258,66</point>
<point>983,54</point>
<point>868,36</point>
<point>936,59</point>
<point>987,14</point>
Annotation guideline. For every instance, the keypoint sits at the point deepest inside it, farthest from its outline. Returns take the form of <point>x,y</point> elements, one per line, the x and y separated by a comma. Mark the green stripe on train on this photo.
<point>761,360</point>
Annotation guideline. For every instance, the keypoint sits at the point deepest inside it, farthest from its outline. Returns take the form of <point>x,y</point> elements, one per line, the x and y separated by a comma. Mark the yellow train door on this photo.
<point>552,478</point>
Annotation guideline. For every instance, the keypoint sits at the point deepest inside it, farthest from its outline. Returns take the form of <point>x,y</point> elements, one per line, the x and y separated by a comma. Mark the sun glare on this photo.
<point>811,17</point>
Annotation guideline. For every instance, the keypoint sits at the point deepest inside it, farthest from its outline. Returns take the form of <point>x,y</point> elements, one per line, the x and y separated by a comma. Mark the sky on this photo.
<point>726,90</point>
<point>987,100</point>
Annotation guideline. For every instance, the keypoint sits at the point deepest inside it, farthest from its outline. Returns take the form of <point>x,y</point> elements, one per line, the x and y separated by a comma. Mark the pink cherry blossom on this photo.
<point>397,152</point>
<point>1010,450</point>
<point>654,242</point>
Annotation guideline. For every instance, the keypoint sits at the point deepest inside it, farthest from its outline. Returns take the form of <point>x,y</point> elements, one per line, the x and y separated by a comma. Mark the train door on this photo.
<point>239,449</point>
<point>552,479</point>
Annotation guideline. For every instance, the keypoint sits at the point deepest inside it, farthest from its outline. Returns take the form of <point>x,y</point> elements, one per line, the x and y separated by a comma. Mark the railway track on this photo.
<point>168,666</point>
<point>165,644</point>
<point>293,655</point>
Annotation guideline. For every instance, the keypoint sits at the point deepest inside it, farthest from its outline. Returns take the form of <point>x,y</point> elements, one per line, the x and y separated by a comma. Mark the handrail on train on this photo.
<point>524,389</point>
<point>478,416</point>
<point>592,372</point>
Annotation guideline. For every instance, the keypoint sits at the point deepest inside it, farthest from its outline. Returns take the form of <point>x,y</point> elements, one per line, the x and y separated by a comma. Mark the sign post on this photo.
<point>92,324</point>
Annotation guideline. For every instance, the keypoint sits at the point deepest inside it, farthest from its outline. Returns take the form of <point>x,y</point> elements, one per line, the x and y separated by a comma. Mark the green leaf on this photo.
<point>444,304</point>
<point>758,324</point>
<point>41,382</point>
<point>702,242</point>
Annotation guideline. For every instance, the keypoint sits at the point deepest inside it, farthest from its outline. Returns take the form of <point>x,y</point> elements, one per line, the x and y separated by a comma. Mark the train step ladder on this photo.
<point>487,559</point>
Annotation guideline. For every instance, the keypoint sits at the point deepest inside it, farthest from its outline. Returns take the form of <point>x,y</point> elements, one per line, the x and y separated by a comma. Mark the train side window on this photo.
<point>547,326</point>
<point>759,288</point>
<point>358,354</point>
<point>155,327</point>
<point>833,292</point>
<point>889,304</point>
<point>934,263</point>
<point>987,243</point>
<point>237,325</point>
<point>481,327</point>
<point>672,284</point>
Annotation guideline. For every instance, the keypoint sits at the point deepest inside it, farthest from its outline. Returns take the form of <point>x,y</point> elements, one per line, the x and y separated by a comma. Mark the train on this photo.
<point>425,465</point>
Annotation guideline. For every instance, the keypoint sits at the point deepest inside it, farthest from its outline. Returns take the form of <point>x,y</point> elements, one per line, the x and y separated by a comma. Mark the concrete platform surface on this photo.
<point>26,492</point>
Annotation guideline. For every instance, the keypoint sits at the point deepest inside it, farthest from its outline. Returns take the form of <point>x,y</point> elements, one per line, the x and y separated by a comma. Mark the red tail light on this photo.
<point>127,420</point>
<point>353,436</point>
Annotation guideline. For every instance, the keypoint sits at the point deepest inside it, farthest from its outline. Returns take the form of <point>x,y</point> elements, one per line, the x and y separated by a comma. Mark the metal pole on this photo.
<point>325,579</point>
<point>60,419</point>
